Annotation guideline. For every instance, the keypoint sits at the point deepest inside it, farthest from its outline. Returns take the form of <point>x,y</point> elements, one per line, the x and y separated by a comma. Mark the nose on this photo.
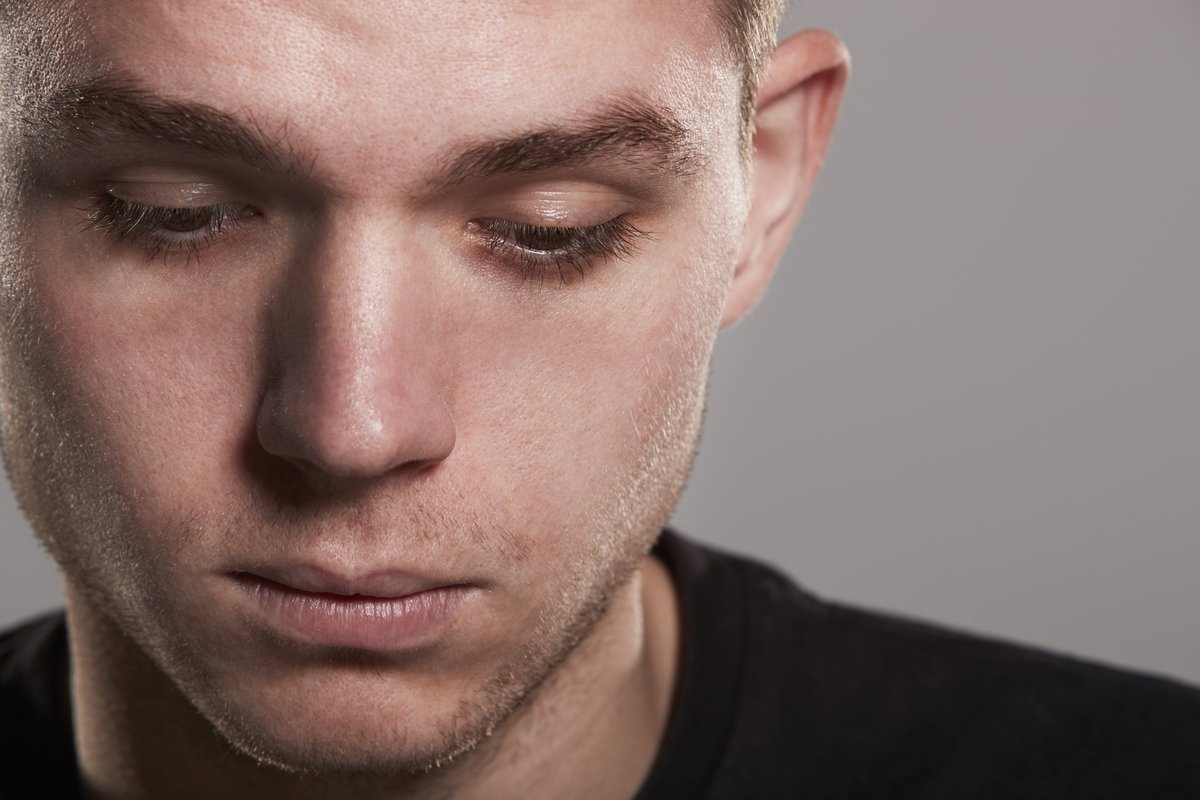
<point>355,389</point>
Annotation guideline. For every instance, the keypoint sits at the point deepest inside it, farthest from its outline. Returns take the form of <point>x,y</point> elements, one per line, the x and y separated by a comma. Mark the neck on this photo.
<point>596,722</point>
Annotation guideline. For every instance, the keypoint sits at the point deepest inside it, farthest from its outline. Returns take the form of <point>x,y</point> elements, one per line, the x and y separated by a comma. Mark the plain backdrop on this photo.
<point>971,394</point>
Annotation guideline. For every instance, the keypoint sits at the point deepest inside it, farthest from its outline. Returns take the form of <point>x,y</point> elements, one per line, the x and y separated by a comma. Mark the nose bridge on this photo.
<point>355,389</point>
<point>340,350</point>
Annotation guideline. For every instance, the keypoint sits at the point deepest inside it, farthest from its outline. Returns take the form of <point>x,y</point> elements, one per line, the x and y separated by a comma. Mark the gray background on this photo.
<point>971,394</point>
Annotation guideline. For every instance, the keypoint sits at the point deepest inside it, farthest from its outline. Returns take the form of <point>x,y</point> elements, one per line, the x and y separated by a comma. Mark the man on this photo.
<point>353,360</point>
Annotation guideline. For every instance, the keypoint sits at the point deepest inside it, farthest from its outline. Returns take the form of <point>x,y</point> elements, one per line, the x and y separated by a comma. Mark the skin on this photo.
<point>348,377</point>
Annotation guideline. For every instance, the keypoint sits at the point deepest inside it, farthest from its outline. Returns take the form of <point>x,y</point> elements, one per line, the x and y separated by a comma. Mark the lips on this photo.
<point>317,580</point>
<point>387,611</point>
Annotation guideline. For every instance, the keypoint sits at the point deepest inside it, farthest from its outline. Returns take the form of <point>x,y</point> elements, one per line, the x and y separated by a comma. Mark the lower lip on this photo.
<point>355,621</point>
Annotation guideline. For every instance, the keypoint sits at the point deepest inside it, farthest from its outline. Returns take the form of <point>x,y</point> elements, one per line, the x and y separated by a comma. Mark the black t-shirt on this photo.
<point>783,695</point>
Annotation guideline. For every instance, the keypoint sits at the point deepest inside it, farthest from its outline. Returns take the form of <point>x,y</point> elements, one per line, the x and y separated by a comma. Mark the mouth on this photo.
<point>382,612</point>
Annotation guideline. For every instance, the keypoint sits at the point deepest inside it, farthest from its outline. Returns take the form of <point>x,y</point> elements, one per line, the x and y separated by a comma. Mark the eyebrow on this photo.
<point>628,130</point>
<point>108,108</point>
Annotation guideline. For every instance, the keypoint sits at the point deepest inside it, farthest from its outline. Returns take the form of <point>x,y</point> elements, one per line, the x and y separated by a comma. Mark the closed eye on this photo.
<point>565,252</point>
<point>164,230</point>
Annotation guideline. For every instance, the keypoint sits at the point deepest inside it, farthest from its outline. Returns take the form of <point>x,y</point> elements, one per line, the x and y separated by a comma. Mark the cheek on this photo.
<point>565,415</point>
<point>155,384</point>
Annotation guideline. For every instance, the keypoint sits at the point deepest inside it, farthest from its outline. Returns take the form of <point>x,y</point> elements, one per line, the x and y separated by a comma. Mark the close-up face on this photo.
<point>312,299</point>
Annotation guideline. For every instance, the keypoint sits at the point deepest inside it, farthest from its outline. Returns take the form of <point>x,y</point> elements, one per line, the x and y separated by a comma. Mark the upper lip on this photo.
<point>320,580</point>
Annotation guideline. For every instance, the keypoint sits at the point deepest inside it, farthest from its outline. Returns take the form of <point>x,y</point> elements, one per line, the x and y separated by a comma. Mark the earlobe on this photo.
<point>798,100</point>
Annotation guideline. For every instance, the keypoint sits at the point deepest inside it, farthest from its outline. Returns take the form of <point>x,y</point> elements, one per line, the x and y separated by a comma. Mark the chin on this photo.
<point>369,752</point>
<point>354,718</point>
<point>344,712</point>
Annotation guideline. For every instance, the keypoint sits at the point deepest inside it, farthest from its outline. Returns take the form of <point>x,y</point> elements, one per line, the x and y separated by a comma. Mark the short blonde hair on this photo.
<point>750,28</point>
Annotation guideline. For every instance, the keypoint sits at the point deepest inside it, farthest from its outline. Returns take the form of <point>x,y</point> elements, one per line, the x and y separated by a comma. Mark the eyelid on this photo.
<point>559,204</point>
<point>129,221</point>
<point>571,252</point>
<point>169,194</point>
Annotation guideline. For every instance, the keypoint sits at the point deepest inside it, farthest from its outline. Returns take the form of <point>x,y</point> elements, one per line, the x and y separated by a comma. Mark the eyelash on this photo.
<point>127,221</point>
<point>562,252</point>
<point>535,250</point>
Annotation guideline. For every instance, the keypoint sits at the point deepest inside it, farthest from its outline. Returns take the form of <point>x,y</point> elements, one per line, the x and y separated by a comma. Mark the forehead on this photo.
<point>376,81</point>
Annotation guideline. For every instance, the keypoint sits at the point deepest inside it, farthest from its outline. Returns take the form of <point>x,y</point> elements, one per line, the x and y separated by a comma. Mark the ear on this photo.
<point>798,101</point>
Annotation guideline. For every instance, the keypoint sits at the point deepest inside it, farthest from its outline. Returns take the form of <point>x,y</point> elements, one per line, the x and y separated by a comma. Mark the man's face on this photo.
<point>450,329</point>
